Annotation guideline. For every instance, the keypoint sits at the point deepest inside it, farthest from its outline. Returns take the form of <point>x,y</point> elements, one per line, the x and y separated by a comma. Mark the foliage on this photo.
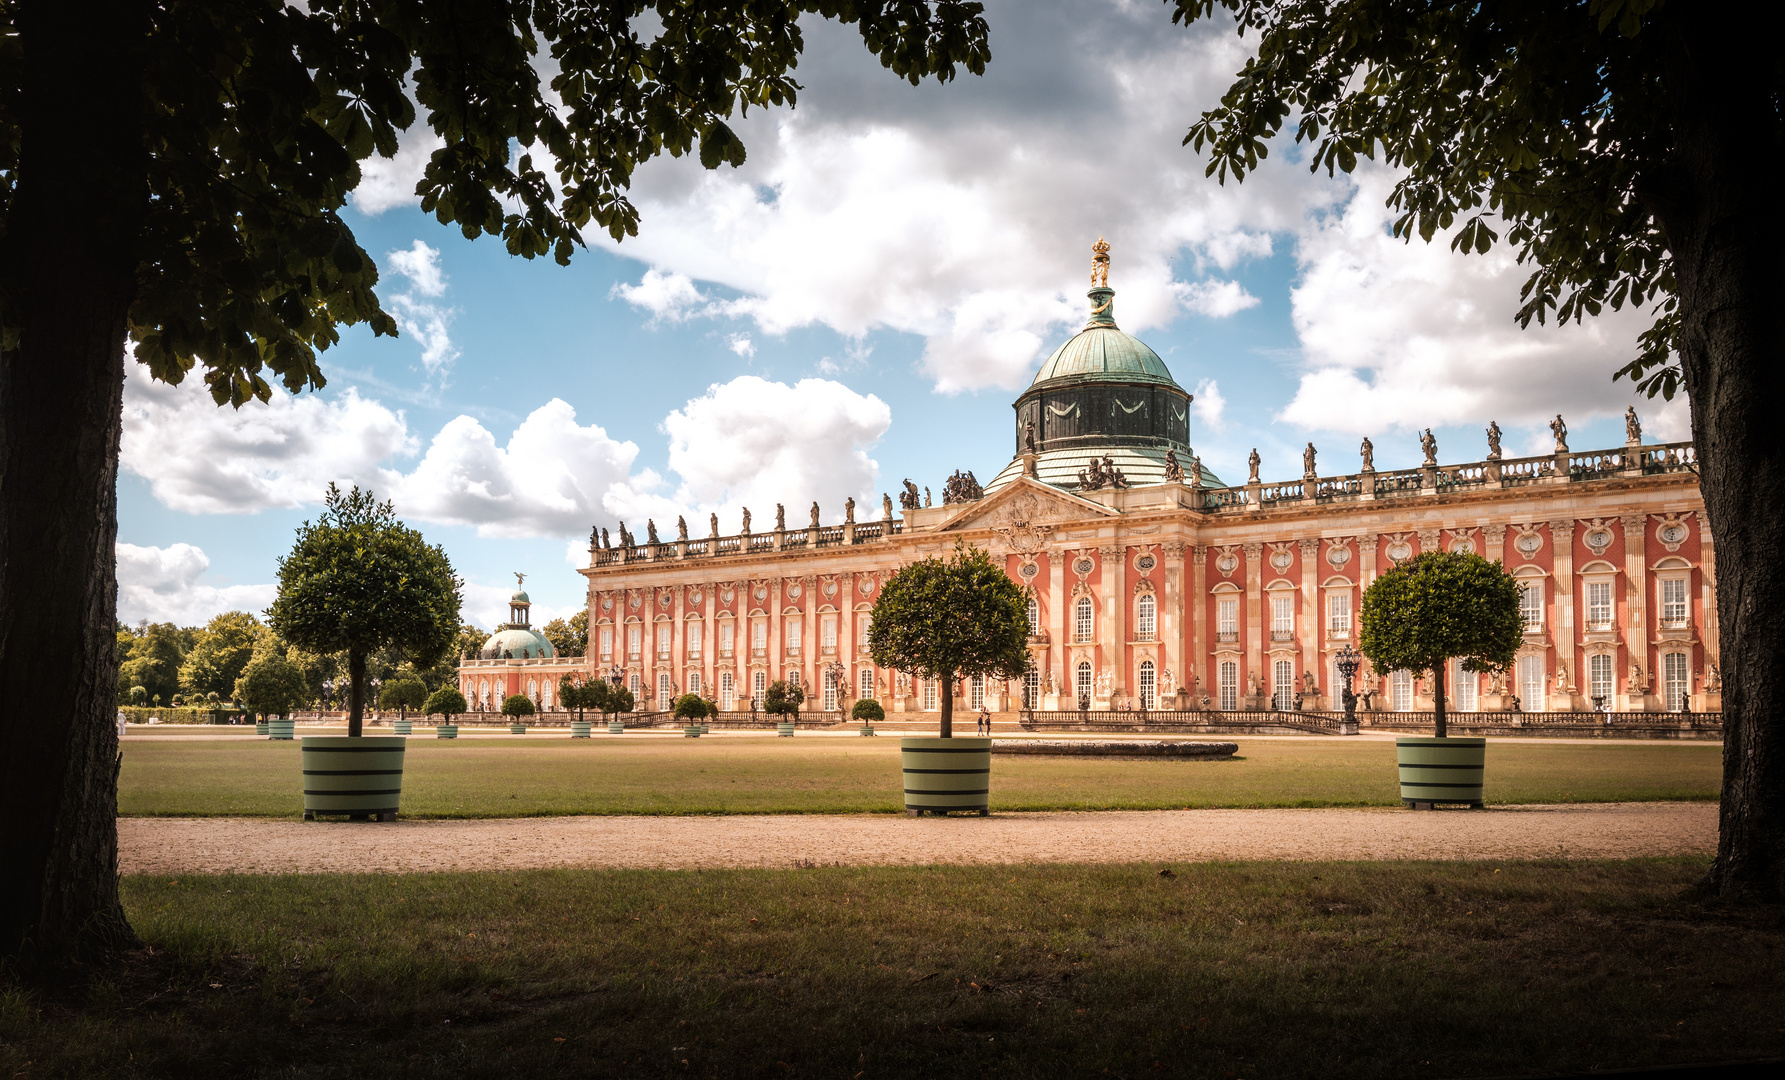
<point>271,686</point>
<point>569,637</point>
<point>222,649</point>
<point>403,694</point>
<point>869,710</point>
<point>151,656</point>
<point>138,695</point>
<point>446,702</point>
<point>517,705</point>
<point>1551,118</point>
<point>783,698</point>
<point>359,580</point>
<point>691,707</point>
<point>618,699</point>
<point>949,619</point>
<point>1437,606</point>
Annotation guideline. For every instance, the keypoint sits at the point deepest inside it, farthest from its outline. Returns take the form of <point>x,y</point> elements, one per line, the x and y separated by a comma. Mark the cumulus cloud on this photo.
<point>387,183</point>
<point>1210,407</point>
<point>741,344</point>
<point>416,311</point>
<point>964,213</point>
<point>163,585</point>
<point>1399,335</point>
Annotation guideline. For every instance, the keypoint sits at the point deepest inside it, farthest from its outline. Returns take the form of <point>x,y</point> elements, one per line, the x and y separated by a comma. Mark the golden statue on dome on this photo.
<point>1100,263</point>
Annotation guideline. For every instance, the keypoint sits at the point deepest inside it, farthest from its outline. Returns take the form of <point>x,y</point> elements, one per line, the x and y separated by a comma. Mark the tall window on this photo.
<point>1464,685</point>
<point>1676,682</point>
<point>695,632</point>
<point>663,690</point>
<point>929,695</point>
<point>1149,686</point>
<point>1400,690</point>
<point>727,635</point>
<point>796,678</point>
<point>1082,682</point>
<point>864,680</point>
<point>1531,684</point>
<point>1598,605</point>
<point>863,622</point>
<point>1229,681</point>
<point>1599,678</point>
<point>694,684</point>
<point>1283,685</point>
<point>1674,612</point>
<point>1032,688</point>
<point>1282,616</point>
<point>759,685</point>
<point>728,689</point>
<point>830,692</point>
<point>1082,623</point>
<point>1530,605</point>
<point>759,634</point>
<point>1338,613</point>
<point>1146,618</point>
<point>793,635</point>
<point>977,690</point>
<point>636,684</point>
<point>1227,619</point>
<point>1034,615</point>
<point>830,631</point>
<point>635,635</point>
<point>664,633</point>
<point>546,697</point>
<point>607,643</point>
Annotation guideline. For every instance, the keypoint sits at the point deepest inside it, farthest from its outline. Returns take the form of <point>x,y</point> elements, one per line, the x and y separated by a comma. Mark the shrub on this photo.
<point>446,702</point>
<point>869,710</point>
<point>517,705</point>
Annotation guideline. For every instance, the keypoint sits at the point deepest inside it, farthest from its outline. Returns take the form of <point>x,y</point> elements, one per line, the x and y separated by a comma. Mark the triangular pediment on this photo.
<point>1025,505</point>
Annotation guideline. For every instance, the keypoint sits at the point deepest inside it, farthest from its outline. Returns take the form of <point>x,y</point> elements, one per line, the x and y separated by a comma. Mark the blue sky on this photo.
<point>860,303</point>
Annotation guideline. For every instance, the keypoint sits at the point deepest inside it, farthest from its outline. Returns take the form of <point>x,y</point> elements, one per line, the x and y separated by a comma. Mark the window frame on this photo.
<point>1084,620</point>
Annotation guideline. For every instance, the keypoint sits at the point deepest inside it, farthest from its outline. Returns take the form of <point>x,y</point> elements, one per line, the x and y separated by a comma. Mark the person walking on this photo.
<point>985,720</point>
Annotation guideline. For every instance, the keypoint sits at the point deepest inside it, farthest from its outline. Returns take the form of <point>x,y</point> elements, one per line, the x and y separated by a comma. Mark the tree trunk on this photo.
<point>947,705</point>
<point>356,682</point>
<point>1718,207</point>
<point>1439,727</point>
<point>69,264</point>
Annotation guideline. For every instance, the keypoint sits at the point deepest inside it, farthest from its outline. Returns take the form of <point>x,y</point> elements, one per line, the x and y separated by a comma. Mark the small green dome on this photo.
<point>519,597</point>
<point>1101,352</point>
<point>518,644</point>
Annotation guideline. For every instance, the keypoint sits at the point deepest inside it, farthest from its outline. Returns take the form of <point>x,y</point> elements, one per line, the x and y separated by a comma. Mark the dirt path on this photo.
<point>222,845</point>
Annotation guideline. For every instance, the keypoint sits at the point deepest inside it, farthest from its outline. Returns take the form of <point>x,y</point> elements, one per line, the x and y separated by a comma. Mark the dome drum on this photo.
<point>1089,415</point>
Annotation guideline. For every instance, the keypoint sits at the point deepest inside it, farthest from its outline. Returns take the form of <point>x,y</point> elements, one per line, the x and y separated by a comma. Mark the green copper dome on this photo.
<point>1101,352</point>
<point>516,643</point>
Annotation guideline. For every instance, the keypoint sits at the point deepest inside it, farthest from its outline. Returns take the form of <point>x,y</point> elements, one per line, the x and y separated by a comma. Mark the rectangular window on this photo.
<point>1283,685</point>
<point>1032,689</point>
<point>793,635</point>
<point>727,630</point>
<point>1676,681</point>
<point>1082,683</point>
<point>635,684</point>
<point>695,633</point>
<point>635,636</point>
<point>1146,622</point>
<point>1464,685</point>
<point>1034,616</point>
<point>830,692</point>
<point>759,634</point>
<point>1530,605</point>
<point>664,633</point>
<point>1282,616</point>
<point>1229,682</point>
<point>1674,612</point>
<point>1338,613</point>
<point>865,684</point>
<point>1531,684</point>
<point>1400,690</point>
<point>1598,605</point>
<point>759,685</point>
<point>977,691</point>
<point>863,622</point>
<point>830,631</point>
<point>663,691</point>
<point>1599,680</point>
<point>607,643</point>
<point>727,691</point>
<point>929,695</point>
<point>694,682</point>
<point>1082,619</point>
<point>1227,619</point>
<point>1149,686</point>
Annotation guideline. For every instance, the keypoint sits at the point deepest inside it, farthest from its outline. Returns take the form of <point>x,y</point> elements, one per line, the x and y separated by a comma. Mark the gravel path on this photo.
<point>224,845</point>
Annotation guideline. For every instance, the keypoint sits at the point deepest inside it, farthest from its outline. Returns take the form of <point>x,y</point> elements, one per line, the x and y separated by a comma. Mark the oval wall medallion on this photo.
<point>1145,563</point>
<point>1400,551</point>
<point>1226,564</point>
<point>1281,559</point>
<point>1029,570</point>
<point>1084,566</point>
<point>1529,543</point>
<point>1338,556</point>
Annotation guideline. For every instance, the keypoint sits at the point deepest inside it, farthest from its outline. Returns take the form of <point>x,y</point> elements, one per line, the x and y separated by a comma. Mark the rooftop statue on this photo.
<point>1632,426</point>
<point>681,527</point>
<point>815,513</point>
<point>520,579</point>
<point>651,531</point>
<point>1196,472</point>
<point>1429,443</point>
<point>1560,431</point>
<point>714,522</point>
<point>1101,474</point>
<point>1493,440</point>
<point>746,528</point>
<point>849,510</point>
<point>780,517</point>
<point>908,497</point>
<point>885,506</point>
<point>1308,461</point>
<point>961,487</point>
<point>1174,472</point>
<point>605,542</point>
<point>1368,450</point>
<point>926,496</point>
<point>1100,263</point>
<point>1252,461</point>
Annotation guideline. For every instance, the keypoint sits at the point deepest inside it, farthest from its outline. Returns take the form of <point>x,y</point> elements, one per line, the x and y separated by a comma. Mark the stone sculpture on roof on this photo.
<point>780,517</point>
<point>713,521</point>
<point>1368,450</point>
<point>681,527</point>
<point>1100,263</point>
<point>908,497</point>
<point>1493,440</point>
<point>960,488</point>
<point>651,531</point>
<point>1174,472</point>
<point>1101,475</point>
<point>814,513</point>
<point>1560,431</point>
<point>1308,461</point>
<point>1429,443</point>
<point>1632,426</point>
<point>1252,462</point>
<point>746,529</point>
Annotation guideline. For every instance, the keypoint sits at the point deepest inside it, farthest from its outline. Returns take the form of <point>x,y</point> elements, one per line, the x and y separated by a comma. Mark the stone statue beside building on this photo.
<point>1196,472</point>
<point>1493,440</point>
<point>1560,431</point>
<point>1429,443</point>
<point>1308,461</point>
<point>908,497</point>
<point>885,506</point>
<point>1368,450</point>
<point>1252,462</point>
<point>1632,426</point>
<point>1029,436</point>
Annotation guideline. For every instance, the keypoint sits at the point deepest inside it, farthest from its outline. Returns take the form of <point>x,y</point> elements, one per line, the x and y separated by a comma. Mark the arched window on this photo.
<point>1283,685</point>
<point>977,691</point>
<point>1676,682</point>
<point>1032,688</point>
<point>929,695</point>
<point>1082,621</point>
<point>694,682</point>
<point>635,683</point>
<point>727,691</point>
<point>1229,683</point>
<point>1149,683</point>
<point>1083,684</point>
<point>1531,684</point>
<point>864,680</point>
<point>830,692</point>
<point>546,691</point>
<point>759,685</point>
<point>663,690</point>
<point>1599,679</point>
<point>1146,618</point>
<point>1034,615</point>
<point>1400,690</point>
<point>1464,688</point>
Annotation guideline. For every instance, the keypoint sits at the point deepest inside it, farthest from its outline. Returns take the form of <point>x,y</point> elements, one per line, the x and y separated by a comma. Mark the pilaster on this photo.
<point>1310,623</point>
<point>1196,650</point>
<point>1561,538</point>
<point>1171,619</point>
<point>1255,624</point>
<point>1636,622</point>
<point>1114,560</point>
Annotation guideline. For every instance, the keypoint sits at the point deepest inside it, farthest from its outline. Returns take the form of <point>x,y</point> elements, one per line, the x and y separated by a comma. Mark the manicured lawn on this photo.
<point>550,774</point>
<point>1250,970</point>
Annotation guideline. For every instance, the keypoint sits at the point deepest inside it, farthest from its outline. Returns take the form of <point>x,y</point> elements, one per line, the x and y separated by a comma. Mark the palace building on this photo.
<point>1154,584</point>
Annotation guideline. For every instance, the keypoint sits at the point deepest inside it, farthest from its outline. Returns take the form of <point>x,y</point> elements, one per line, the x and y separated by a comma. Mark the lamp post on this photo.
<point>1347,663</point>
<point>328,693</point>
<point>375,683</point>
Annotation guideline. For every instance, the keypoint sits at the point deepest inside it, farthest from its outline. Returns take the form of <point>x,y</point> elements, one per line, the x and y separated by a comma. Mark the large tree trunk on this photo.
<point>356,690</point>
<point>69,264</point>
<point>1719,209</point>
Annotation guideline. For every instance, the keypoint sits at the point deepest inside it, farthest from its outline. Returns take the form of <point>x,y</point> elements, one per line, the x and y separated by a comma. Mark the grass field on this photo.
<point>535,775</point>
<point>1237,970</point>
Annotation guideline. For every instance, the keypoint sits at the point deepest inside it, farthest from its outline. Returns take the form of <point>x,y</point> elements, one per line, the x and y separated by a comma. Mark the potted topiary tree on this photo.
<point>445,703</point>
<point>869,712</point>
<point>947,620</point>
<point>693,709</point>
<point>269,686</point>
<point>358,581</point>
<point>614,701</point>
<point>575,694</point>
<point>784,699</point>
<point>1418,617</point>
<point>402,694</point>
<point>515,706</point>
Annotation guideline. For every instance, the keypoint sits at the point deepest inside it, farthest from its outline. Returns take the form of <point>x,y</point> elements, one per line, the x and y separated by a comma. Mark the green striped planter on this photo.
<point>579,729</point>
<point>693,731</point>
<point>446,731</point>
<point>944,775</point>
<point>282,729</point>
<point>404,727</point>
<point>260,727</point>
<point>1440,771</point>
<point>784,729</point>
<point>616,727</point>
<point>517,729</point>
<point>361,778</point>
<point>867,729</point>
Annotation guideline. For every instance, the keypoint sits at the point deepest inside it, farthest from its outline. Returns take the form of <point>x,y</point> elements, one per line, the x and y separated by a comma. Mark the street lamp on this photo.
<point>1347,662</point>
<point>328,693</point>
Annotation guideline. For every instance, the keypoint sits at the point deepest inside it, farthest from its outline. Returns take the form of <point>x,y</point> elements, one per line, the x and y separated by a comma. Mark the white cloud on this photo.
<point>415,311</point>
<point>1405,336</point>
<point>1210,406</point>
<point>964,213</point>
<point>486,606</point>
<point>1215,299</point>
<point>741,344</point>
<point>162,585</point>
<point>387,183</point>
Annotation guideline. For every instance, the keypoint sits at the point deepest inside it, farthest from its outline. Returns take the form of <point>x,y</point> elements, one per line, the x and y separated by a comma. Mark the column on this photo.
<point>1636,622</point>
<point>1171,622</point>
<point>1366,561</point>
<point>1196,650</point>
<point>1711,678</point>
<point>846,628</point>
<point>678,659</point>
<point>1115,584</point>
<point>775,661</point>
<point>812,641</point>
<point>1058,623</point>
<point>1562,639</point>
<point>1313,632</point>
<point>1254,673</point>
